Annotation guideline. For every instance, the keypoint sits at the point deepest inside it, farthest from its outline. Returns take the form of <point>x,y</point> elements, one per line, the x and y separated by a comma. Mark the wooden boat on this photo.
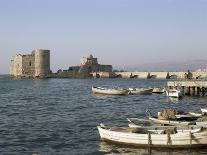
<point>195,114</point>
<point>180,120</point>
<point>111,91</point>
<point>204,110</point>
<point>152,138</point>
<point>174,93</point>
<point>140,91</point>
<point>149,124</point>
<point>158,90</point>
<point>172,122</point>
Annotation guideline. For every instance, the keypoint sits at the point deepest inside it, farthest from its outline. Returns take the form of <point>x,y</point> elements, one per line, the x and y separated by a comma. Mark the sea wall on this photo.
<point>161,75</point>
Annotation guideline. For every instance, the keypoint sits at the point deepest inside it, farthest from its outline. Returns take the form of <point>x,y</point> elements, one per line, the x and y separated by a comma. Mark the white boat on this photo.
<point>140,91</point>
<point>180,121</point>
<point>188,116</point>
<point>135,123</point>
<point>174,93</point>
<point>162,139</point>
<point>172,122</point>
<point>111,91</point>
<point>195,114</point>
<point>204,110</point>
<point>158,90</point>
<point>171,117</point>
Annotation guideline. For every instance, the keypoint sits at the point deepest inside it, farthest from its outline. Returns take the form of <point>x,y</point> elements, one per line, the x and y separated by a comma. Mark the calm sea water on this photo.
<point>59,116</point>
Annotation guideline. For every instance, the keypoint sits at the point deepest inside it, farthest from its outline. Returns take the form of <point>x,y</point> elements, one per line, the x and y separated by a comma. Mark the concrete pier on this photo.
<point>191,87</point>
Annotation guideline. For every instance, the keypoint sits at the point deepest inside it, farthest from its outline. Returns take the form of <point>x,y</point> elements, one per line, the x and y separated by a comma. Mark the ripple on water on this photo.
<point>59,116</point>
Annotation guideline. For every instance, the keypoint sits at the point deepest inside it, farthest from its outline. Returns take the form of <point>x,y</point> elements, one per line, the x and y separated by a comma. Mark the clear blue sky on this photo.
<point>118,32</point>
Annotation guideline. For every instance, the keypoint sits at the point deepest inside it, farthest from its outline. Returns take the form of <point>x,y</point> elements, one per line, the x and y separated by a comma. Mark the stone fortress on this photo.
<point>34,65</point>
<point>37,65</point>
<point>89,67</point>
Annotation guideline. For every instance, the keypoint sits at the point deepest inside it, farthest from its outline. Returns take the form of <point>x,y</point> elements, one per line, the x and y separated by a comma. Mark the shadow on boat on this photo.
<point>122,149</point>
<point>105,95</point>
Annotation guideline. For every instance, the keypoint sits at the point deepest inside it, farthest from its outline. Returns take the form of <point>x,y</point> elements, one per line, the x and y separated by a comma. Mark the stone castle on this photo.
<point>34,65</point>
<point>88,66</point>
<point>37,65</point>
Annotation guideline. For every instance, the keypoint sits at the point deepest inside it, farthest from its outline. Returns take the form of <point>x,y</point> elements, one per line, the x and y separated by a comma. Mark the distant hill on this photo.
<point>191,65</point>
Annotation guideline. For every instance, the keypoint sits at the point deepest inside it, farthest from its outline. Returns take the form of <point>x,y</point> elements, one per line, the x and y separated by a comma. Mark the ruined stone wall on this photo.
<point>69,74</point>
<point>105,68</point>
<point>36,64</point>
<point>88,61</point>
<point>11,70</point>
<point>16,65</point>
<point>103,74</point>
<point>28,65</point>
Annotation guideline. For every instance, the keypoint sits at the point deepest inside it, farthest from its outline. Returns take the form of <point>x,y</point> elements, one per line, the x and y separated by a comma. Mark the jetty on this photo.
<point>190,87</point>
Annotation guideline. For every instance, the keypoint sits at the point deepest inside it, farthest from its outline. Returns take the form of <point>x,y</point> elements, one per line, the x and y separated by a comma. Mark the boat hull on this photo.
<point>178,140</point>
<point>171,122</point>
<point>174,93</point>
<point>158,90</point>
<point>110,91</point>
<point>204,110</point>
<point>138,91</point>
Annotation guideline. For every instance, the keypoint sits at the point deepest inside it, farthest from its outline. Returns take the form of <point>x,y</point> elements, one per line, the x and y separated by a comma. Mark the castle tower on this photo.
<point>42,63</point>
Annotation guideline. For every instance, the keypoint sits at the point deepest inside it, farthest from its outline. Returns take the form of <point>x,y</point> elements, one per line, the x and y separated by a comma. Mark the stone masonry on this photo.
<point>34,65</point>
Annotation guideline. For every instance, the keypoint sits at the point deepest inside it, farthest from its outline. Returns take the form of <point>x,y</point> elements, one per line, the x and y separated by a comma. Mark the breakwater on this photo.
<point>162,75</point>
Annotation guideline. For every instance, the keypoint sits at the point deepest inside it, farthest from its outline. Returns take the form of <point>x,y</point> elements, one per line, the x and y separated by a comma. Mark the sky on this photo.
<point>117,32</point>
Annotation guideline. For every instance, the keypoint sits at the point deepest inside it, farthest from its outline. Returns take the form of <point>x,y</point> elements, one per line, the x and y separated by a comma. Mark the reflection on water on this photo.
<point>112,149</point>
<point>173,99</point>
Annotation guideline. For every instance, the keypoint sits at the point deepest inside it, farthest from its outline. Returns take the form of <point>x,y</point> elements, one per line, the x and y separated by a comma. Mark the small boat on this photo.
<point>158,90</point>
<point>195,114</point>
<point>172,117</point>
<point>179,119</point>
<point>140,91</point>
<point>172,122</point>
<point>204,110</point>
<point>166,138</point>
<point>174,93</point>
<point>140,123</point>
<point>111,91</point>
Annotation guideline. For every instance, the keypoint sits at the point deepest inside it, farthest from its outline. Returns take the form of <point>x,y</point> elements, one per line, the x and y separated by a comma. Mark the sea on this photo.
<point>60,116</point>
